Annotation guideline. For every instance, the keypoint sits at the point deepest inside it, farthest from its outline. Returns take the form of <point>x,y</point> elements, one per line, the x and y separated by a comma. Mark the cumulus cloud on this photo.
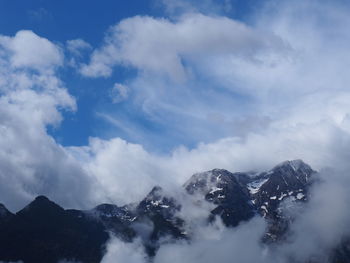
<point>28,50</point>
<point>33,97</point>
<point>161,46</point>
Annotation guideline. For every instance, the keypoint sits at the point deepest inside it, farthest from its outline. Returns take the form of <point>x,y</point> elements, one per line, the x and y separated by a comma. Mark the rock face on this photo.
<point>45,232</point>
<point>159,211</point>
<point>220,187</point>
<point>290,179</point>
<point>239,196</point>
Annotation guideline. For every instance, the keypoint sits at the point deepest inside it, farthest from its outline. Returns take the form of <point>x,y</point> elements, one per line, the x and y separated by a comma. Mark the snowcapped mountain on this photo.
<point>222,188</point>
<point>239,195</point>
<point>45,232</point>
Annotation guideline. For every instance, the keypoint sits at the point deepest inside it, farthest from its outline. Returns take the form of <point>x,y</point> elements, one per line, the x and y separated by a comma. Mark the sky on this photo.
<point>101,101</point>
<point>99,113</point>
<point>98,96</point>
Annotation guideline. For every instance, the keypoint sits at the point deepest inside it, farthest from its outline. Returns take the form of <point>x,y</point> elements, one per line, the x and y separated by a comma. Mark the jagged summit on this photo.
<point>104,211</point>
<point>289,179</point>
<point>206,181</point>
<point>295,165</point>
<point>158,200</point>
<point>223,189</point>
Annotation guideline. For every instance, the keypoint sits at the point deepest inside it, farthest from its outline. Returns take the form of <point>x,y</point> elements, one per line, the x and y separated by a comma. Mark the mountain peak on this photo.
<point>296,165</point>
<point>42,198</point>
<point>205,181</point>
<point>41,205</point>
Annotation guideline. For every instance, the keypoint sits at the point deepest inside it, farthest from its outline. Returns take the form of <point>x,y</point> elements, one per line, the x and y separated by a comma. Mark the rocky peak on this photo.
<point>105,211</point>
<point>210,181</point>
<point>289,179</point>
<point>158,201</point>
<point>294,167</point>
<point>42,208</point>
<point>223,189</point>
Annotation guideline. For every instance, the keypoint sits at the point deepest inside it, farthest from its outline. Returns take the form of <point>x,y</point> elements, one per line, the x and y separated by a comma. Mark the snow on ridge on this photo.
<point>215,189</point>
<point>254,186</point>
<point>300,196</point>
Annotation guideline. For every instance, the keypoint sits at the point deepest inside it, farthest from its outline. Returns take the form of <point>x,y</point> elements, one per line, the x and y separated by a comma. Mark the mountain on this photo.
<point>220,187</point>
<point>45,232</point>
<point>159,211</point>
<point>239,196</point>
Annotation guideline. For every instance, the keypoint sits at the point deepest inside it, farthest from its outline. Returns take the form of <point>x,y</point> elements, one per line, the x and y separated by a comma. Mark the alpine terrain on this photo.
<point>45,232</point>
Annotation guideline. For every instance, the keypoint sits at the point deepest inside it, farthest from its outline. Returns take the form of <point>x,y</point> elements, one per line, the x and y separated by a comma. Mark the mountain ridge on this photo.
<point>234,197</point>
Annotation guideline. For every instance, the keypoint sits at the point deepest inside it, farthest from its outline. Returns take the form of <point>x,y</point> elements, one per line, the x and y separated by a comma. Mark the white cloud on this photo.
<point>76,46</point>
<point>160,46</point>
<point>283,68</point>
<point>119,93</point>
<point>222,245</point>
<point>174,7</point>
<point>31,161</point>
<point>31,51</point>
<point>119,251</point>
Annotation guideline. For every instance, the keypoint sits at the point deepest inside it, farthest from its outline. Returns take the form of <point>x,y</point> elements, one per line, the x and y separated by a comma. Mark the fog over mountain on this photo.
<point>280,215</point>
<point>208,89</point>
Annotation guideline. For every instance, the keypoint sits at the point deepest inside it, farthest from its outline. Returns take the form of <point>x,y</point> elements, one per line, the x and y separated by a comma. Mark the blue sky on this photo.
<point>102,100</point>
<point>61,21</point>
<point>64,20</point>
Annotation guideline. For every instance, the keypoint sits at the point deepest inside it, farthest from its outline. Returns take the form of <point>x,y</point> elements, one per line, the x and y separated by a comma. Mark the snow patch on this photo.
<point>215,189</point>
<point>300,196</point>
<point>282,196</point>
<point>264,208</point>
<point>254,186</point>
